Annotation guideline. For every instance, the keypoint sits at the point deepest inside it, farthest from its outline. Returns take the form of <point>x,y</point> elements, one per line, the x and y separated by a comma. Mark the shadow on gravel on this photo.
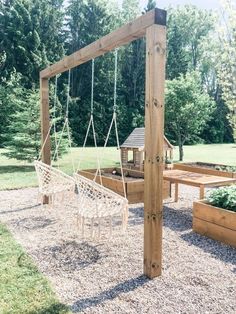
<point>32,223</point>
<point>124,287</point>
<point>70,256</point>
<point>177,219</point>
<point>218,250</point>
<point>18,209</point>
<point>136,216</point>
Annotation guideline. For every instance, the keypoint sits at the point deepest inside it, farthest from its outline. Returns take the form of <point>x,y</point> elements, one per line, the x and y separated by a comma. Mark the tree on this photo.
<point>218,129</point>
<point>9,90</point>
<point>188,108</point>
<point>30,37</point>
<point>130,10</point>
<point>187,27</point>
<point>227,57</point>
<point>150,5</point>
<point>86,22</point>
<point>23,135</point>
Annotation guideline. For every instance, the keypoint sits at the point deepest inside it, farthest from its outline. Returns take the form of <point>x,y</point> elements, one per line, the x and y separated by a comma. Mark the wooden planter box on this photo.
<point>214,222</point>
<point>192,167</point>
<point>134,184</point>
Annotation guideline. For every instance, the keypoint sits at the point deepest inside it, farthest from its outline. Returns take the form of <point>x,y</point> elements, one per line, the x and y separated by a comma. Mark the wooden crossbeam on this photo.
<point>119,37</point>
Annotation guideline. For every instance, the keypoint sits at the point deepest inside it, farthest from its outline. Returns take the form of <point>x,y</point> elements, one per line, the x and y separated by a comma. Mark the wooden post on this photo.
<point>154,159</point>
<point>202,192</point>
<point>176,192</point>
<point>45,124</point>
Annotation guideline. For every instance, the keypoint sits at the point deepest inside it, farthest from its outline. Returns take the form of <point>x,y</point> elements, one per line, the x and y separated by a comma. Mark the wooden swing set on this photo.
<point>152,25</point>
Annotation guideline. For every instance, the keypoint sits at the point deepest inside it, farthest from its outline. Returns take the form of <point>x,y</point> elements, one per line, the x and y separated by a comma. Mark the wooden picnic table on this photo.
<point>195,179</point>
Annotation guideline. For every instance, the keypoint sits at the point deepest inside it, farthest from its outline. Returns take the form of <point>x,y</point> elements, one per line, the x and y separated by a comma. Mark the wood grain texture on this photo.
<point>214,231</point>
<point>45,125</point>
<point>154,161</point>
<point>219,216</point>
<point>213,222</point>
<point>196,179</point>
<point>134,188</point>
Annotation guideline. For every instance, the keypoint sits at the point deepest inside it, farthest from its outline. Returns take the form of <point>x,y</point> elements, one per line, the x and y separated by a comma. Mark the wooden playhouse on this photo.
<point>132,150</point>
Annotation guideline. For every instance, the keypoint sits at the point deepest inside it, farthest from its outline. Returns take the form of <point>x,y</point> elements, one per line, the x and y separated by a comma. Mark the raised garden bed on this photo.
<point>208,168</point>
<point>134,182</point>
<point>214,222</point>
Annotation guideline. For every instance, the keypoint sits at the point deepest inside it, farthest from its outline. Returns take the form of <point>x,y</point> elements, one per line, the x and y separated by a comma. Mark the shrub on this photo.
<point>224,198</point>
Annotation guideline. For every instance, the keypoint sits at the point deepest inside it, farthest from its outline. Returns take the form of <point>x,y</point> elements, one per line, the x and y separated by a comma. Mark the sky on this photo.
<point>204,4</point>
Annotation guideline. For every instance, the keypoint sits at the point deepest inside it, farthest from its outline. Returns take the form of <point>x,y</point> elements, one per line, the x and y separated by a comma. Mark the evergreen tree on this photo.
<point>23,136</point>
<point>30,37</point>
<point>10,93</point>
<point>87,21</point>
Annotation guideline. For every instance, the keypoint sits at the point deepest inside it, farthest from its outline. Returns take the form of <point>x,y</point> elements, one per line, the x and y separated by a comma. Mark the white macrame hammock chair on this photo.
<point>94,202</point>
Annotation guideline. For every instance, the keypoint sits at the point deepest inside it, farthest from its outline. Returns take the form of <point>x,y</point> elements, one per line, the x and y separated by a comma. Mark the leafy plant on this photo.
<point>226,168</point>
<point>224,198</point>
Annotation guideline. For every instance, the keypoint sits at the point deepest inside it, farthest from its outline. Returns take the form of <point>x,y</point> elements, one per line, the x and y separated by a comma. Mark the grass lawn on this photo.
<point>15,174</point>
<point>23,289</point>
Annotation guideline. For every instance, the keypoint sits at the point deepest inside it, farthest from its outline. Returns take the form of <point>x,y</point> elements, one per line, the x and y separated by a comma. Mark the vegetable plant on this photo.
<point>224,197</point>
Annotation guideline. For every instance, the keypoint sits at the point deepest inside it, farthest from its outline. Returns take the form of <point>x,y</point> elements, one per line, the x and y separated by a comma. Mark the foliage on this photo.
<point>30,37</point>
<point>224,198</point>
<point>94,22</point>
<point>23,288</point>
<point>227,66</point>
<point>188,108</point>
<point>23,137</point>
<point>10,91</point>
<point>187,27</point>
<point>226,168</point>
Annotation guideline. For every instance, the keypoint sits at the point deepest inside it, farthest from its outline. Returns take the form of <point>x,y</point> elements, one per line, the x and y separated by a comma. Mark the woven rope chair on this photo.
<point>96,202</point>
<point>53,182</point>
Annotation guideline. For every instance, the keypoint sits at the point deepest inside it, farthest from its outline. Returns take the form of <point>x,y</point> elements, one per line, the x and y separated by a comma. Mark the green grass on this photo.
<point>214,153</point>
<point>15,174</point>
<point>23,289</point>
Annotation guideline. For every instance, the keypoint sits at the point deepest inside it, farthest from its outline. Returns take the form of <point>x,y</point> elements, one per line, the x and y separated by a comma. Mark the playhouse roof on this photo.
<point>136,140</point>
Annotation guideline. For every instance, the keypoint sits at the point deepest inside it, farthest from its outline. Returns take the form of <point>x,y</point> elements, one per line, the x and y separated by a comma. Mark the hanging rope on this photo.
<point>66,126</point>
<point>54,118</point>
<point>114,121</point>
<point>91,125</point>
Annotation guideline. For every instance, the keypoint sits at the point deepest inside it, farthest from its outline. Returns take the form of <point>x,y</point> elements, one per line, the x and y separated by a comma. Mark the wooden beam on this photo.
<point>154,159</point>
<point>45,124</point>
<point>119,37</point>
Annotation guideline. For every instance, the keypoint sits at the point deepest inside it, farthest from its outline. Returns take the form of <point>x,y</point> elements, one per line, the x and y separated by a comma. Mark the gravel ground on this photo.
<point>199,274</point>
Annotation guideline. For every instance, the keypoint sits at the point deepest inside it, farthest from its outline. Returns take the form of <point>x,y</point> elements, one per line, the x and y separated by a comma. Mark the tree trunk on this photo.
<point>181,149</point>
<point>181,152</point>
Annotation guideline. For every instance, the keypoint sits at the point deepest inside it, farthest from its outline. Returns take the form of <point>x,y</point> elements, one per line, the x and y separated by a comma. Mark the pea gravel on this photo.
<point>199,274</point>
